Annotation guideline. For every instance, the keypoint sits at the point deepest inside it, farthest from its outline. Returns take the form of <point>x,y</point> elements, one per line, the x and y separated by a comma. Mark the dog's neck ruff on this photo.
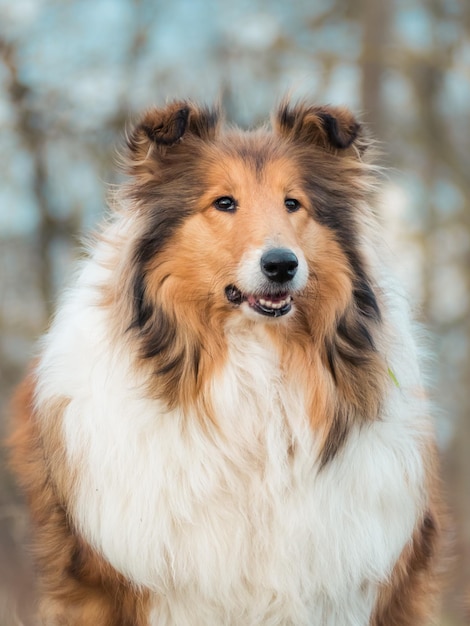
<point>234,524</point>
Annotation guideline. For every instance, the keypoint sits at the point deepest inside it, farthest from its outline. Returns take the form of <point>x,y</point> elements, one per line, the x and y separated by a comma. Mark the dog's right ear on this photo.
<point>333,129</point>
<point>161,129</point>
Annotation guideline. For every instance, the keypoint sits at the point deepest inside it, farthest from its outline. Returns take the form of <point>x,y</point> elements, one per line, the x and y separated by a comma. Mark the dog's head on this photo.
<point>260,226</point>
<point>244,222</point>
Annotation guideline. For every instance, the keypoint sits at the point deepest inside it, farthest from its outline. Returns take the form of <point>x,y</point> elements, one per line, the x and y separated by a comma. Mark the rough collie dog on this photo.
<point>226,424</point>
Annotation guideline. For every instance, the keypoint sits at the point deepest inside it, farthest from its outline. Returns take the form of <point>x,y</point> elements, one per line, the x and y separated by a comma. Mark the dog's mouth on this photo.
<point>271,305</point>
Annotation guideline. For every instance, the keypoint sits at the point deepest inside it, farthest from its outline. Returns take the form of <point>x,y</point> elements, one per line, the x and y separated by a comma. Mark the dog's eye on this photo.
<point>292,205</point>
<point>225,203</point>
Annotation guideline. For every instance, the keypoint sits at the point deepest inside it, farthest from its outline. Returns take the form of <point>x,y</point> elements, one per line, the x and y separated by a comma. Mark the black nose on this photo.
<point>279,265</point>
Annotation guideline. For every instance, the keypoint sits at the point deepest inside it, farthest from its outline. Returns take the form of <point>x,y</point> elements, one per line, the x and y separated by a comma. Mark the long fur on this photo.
<point>200,444</point>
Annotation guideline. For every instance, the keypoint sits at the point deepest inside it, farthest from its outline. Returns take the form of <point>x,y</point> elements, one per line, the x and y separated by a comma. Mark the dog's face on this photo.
<point>245,248</point>
<point>241,223</point>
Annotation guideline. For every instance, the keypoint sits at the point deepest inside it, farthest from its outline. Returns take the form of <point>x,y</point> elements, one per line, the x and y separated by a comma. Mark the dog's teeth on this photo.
<point>279,304</point>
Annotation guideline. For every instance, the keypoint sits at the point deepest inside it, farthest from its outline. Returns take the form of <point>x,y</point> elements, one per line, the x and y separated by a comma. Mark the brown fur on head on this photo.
<point>332,128</point>
<point>160,129</point>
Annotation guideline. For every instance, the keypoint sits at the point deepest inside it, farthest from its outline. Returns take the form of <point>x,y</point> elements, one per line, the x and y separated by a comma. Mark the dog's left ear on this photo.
<point>334,129</point>
<point>166,127</point>
<point>160,131</point>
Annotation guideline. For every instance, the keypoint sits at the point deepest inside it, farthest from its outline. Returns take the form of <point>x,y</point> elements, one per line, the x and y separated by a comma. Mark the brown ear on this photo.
<point>160,129</point>
<point>332,128</point>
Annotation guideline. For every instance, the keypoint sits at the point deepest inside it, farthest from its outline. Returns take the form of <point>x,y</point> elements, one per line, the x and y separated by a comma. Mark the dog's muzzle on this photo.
<point>278,268</point>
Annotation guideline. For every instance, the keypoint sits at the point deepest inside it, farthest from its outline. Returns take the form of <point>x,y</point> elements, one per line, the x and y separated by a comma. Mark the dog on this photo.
<point>226,423</point>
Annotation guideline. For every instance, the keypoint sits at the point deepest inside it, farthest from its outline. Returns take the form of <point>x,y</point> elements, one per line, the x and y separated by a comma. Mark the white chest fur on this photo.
<point>235,526</point>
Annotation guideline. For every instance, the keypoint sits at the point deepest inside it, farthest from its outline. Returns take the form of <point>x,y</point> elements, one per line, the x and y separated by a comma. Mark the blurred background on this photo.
<point>73,72</point>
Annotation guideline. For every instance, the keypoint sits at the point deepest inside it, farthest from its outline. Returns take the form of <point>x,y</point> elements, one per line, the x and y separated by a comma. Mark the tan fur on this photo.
<point>70,573</point>
<point>411,598</point>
